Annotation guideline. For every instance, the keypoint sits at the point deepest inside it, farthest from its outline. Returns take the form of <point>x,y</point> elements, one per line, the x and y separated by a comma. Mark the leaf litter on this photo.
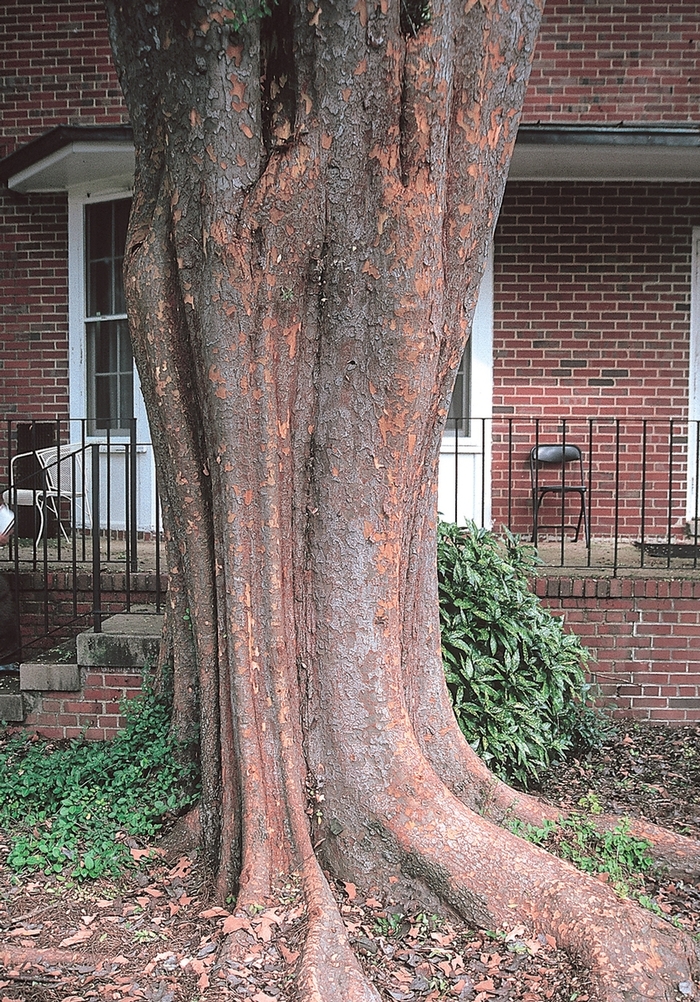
<point>152,936</point>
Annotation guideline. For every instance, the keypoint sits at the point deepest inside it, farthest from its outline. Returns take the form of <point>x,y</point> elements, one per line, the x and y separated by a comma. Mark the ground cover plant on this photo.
<point>76,806</point>
<point>150,934</point>
<point>517,679</point>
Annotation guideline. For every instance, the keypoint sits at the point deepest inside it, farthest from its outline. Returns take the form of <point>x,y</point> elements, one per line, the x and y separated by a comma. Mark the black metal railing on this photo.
<point>81,510</point>
<point>637,487</point>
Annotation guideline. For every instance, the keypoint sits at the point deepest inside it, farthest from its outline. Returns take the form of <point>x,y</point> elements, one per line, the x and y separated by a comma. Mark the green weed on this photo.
<point>621,857</point>
<point>71,808</point>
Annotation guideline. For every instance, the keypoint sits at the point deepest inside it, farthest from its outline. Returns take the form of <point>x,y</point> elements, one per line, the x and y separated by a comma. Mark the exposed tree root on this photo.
<point>329,970</point>
<point>633,956</point>
<point>466,775</point>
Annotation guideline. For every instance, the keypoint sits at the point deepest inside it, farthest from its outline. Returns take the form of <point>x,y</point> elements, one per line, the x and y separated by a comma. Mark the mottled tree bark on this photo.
<point>316,191</point>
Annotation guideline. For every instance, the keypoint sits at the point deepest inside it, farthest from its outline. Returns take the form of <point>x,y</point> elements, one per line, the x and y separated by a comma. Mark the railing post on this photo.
<point>96,591</point>
<point>157,540</point>
<point>562,543</point>
<point>669,514</point>
<point>617,497</point>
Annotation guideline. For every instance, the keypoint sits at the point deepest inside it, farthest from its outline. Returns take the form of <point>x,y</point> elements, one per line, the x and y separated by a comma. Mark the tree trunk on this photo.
<point>316,191</point>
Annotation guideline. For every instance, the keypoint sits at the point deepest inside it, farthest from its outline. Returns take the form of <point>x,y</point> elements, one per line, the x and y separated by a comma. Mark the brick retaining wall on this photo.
<point>645,635</point>
<point>93,711</point>
<point>64,606</point>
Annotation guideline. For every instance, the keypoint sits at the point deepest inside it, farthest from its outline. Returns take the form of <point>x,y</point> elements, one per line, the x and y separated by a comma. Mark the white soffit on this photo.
<point>604,161</point>
<point>81,164</point>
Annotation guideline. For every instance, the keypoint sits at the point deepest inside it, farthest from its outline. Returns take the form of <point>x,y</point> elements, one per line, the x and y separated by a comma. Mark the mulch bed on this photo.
<point>151,936</point>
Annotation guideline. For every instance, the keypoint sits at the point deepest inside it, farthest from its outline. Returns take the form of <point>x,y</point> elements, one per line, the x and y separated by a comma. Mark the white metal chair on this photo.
<point>64,480</point>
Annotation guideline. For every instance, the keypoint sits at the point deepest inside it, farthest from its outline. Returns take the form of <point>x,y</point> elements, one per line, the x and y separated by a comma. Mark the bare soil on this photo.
<point>151,935</point>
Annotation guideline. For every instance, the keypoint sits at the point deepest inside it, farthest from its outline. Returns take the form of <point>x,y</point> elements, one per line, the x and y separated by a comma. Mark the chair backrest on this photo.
<point>554,455</point>
<point>63,466</point>
<point>27,473</point>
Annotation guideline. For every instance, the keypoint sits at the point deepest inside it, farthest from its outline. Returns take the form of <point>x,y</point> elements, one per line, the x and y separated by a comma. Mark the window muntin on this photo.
<point>110,392</point>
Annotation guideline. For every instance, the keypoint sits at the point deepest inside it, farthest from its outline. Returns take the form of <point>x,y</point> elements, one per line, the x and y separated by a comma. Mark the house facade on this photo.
<point>587,331</point>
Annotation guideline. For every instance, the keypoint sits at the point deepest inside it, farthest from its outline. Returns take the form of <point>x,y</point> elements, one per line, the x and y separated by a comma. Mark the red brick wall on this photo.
<point>592,297</point>
<point>34,305</point>
<point>56,69</point>
<point>591,319</point>
<point>93,712</point>
<point>645,634</point>
<point>616,60</point>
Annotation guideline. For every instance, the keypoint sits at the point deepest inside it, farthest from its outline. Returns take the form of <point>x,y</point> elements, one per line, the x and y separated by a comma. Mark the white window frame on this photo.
<point>481,389</point>
<point>78,198</point>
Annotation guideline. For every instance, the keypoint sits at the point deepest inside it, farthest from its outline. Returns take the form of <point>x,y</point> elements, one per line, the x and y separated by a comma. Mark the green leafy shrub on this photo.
<point>71,807</point>
<point>516,678</point>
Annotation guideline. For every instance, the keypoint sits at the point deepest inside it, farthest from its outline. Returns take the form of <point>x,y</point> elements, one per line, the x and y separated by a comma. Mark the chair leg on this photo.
<point>40,508</point>
<point>535,513</point>
<point>582,517</point>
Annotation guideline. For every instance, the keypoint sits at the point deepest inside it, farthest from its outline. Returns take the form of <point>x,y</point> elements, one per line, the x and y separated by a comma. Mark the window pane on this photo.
<point>121,221</point>
<point>108,348</point>
<point>99,289</point>
<point>105,227</point>
<point>460,405</point>
<point>110,374</point>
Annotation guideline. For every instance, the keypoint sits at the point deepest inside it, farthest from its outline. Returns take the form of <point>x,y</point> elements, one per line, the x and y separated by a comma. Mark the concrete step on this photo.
<point>11,707</point>
<point>127,640</point>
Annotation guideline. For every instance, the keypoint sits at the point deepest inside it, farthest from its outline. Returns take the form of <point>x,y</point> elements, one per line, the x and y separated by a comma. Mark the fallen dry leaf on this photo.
<point>215,912</point>
<point>291,956</point>
<point>81,936</point>
<point>262,925</point>
<point>235,922</point>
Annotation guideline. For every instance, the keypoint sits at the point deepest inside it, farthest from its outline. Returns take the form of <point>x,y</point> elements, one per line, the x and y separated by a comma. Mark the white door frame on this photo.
<point>694,379</point>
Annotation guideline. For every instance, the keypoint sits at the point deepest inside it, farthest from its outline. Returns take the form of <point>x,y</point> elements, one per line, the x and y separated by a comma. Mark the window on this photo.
<point>472,396</point>
<point>460,404</point>
<point>109,361</point>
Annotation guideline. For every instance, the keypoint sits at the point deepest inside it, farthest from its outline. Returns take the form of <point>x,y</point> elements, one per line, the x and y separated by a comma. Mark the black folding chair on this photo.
<point>558,469</point>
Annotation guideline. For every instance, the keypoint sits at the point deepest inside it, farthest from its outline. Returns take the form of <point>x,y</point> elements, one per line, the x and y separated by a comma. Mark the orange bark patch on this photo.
<point>234,52</point>
<point>237,93</point>
<point>290,336</point>
<point>219,381</point>
<point>361,8</point>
